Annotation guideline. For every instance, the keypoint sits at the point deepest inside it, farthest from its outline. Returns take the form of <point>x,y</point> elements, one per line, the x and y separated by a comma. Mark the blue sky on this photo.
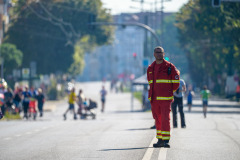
<point>119,6</point>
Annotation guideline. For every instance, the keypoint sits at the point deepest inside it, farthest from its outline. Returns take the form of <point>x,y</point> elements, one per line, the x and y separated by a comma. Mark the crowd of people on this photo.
<point>22,99</point>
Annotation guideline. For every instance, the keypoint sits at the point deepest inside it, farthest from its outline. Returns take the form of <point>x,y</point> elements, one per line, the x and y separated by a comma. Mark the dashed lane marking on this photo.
<point>148,153</point>
<point>162,154</point>
<point>8,138</point>
<point>18,135</point>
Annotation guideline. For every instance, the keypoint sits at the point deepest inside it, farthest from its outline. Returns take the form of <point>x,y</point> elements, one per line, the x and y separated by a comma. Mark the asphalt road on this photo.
<point>119,133</point>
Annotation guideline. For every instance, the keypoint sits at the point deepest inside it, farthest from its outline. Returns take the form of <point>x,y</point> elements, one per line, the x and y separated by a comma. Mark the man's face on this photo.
<point>159,54</point>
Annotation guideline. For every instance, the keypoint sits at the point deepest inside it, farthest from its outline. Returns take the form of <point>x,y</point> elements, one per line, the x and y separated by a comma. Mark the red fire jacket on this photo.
<point>164,85</point>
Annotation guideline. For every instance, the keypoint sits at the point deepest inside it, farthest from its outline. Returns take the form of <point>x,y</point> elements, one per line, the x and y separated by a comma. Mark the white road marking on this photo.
<point>8,138</point>
<point>18,135</point>
<point>163,151</point>
<point>148,153</point>
<point>162,154</point>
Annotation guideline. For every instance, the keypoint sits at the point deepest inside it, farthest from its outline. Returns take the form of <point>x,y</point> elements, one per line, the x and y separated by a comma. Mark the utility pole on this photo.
<point>145,21</point>
<point>161,17</point>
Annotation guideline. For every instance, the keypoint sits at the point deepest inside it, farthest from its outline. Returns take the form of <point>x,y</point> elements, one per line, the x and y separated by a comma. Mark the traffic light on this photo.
<point>166,58</point>
<point>216,3</point>
<point>134,55</point>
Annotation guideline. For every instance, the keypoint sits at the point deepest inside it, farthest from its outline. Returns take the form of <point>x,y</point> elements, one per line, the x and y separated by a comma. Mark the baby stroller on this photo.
<point>89,110</point>
<point>32,108</point>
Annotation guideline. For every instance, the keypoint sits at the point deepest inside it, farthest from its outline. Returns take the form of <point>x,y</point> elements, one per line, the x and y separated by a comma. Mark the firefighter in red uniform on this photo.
<point>163,79</point>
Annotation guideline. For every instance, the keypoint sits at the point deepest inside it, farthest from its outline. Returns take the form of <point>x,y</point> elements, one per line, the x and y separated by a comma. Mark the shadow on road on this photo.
<point>216,112</point>
<point>139,129</point>
<point>135,111</point>
<point>218,106</point>
<point>122,149</point>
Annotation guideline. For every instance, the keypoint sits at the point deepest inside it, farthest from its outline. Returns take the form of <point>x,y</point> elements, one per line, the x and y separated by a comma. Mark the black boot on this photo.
<point>159,144</point>
<point>166,145</point>
<point>153,127</point>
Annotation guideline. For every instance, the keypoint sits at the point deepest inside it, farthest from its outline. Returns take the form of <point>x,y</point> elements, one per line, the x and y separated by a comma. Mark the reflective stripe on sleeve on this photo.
<point>149,99</point>
<point>159,137</point>
<point>164,98</point>
<point>159,131</point>
<point>151,81</point>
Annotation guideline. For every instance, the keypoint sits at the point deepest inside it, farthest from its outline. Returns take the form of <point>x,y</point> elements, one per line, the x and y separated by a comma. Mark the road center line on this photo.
<point>148,153</point>
<point>162,154</point>
<point>163,151</point>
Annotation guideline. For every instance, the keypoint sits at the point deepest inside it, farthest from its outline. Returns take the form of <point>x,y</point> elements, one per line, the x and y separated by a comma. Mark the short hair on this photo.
<point>40,90</point>
<point>205,87</point>
<point>158,47</point>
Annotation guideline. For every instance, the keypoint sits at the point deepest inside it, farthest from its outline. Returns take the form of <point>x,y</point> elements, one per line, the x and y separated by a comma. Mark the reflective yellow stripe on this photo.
<point>165,137</point>
<point>165,132</point>
<point>175,81</point>
<point>174,91</point>
<point>149,99</point>
<point>164,98</point>
<point>159,131</point>
<point>163,81</point>
<point>150,81</point>
<point>167,81</point>
<point>159,137</point>
<point>149,72</point>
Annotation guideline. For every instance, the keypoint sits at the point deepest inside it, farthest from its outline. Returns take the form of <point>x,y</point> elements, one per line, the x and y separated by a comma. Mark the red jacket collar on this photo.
<point>154,62</point>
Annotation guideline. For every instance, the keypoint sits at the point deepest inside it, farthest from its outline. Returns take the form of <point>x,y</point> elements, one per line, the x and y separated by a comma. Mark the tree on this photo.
<point>12,57</point>
<point>210,38</point>
<point>49,32</point>
<point>171,45</point>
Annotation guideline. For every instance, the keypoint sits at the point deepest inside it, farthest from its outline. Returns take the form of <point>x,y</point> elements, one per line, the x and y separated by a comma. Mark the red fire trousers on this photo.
<point>161,113</point>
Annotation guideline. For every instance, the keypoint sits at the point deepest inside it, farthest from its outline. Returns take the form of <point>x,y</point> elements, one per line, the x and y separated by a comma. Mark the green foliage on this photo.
<point>53,93</point>
<point>210,38</point>
<point>12,57</point>
<point>138,96</point>
<point>9,116</point>
<point>171,45</point>
<point>49,32</point>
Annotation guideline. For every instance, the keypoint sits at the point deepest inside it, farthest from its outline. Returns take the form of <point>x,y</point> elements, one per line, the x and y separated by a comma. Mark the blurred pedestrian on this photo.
<point>178,102</point>
<point>1,115</point>
<point>238,92</point>
<point>40,99</point>
<point>17,98</point>
<point>190,96</point>
<point>2,99</point>
<point>8,99</point>
<point>103,94</point>
<point>80,99</point>
<point>205,94</point>
<point>71,100</point>
<point>163,79</point>
<point>26,95</point>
